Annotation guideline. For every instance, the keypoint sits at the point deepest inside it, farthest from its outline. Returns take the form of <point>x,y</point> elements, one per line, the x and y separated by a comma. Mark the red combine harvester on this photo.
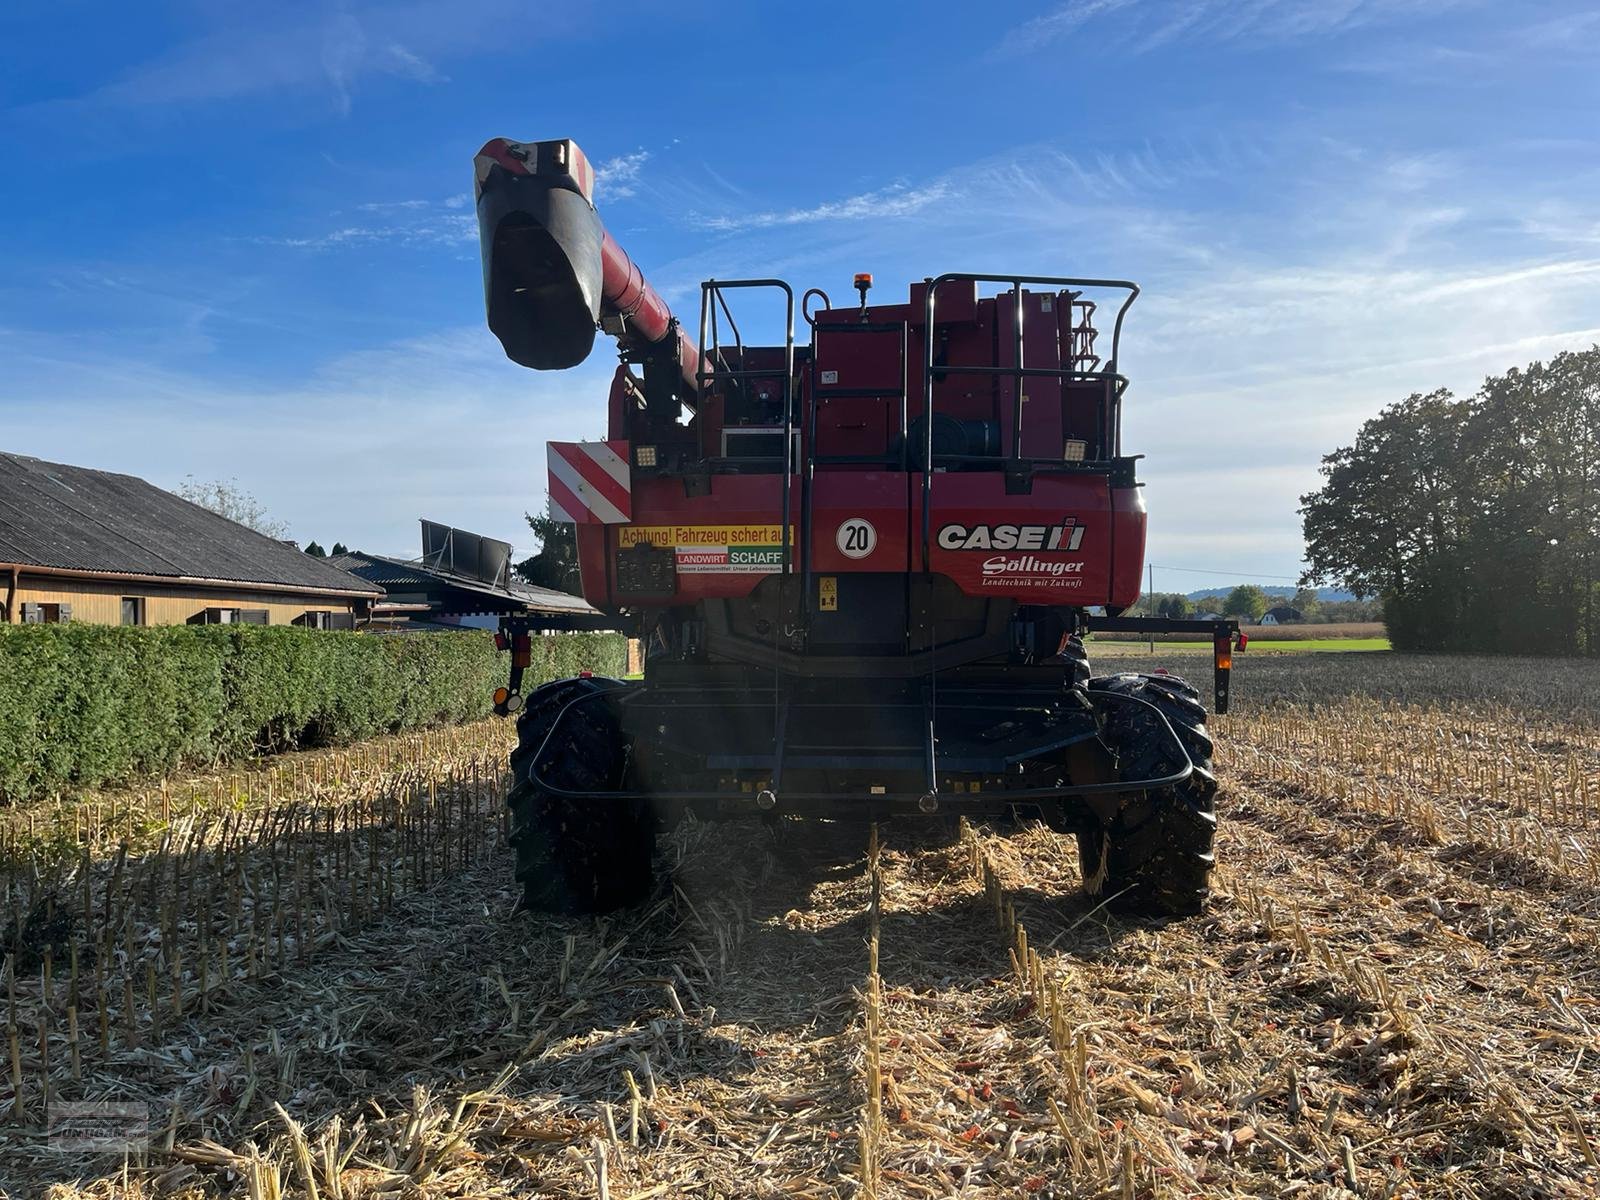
<point>860,566</point>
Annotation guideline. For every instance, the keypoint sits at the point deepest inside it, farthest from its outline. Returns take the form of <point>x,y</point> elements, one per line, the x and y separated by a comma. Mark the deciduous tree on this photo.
<point>1477,521</point>
<point>1247,602</point>
<point>227,499</point>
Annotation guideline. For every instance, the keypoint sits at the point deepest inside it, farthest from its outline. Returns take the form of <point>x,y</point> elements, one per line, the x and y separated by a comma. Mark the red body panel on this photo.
<point>989,543</point>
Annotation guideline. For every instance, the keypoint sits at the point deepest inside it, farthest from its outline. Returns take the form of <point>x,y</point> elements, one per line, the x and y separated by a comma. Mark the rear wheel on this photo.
<point>1154,856</point>
<point>575,855</point>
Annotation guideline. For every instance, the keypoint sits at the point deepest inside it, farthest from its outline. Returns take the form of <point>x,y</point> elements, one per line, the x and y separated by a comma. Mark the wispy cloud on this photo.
<point>615,178</point>
<point>1062,22</point>
<point>1573,31</point>
<point>433,392</point>
<point>1147,26</point>
<point>321,48</point>
<point>898,200</point>
<point>405,222</point>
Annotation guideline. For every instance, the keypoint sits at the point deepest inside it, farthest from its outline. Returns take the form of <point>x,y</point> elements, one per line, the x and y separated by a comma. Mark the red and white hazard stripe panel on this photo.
<point>590,483</point>
<point>528,158</point>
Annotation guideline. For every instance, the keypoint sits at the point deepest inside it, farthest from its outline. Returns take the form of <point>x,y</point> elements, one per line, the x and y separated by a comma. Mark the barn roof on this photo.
<point>103,523</point>
<point>397,575</point>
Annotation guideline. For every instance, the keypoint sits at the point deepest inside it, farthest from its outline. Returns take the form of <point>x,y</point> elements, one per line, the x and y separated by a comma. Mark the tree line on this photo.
<point>1249,602</point>
<point>1475,520</point>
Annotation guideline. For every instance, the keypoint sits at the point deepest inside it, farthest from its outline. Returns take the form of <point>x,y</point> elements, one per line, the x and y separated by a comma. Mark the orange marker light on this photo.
<point>863,279</point>
<point>501,695</point>
<point>1223,647</point>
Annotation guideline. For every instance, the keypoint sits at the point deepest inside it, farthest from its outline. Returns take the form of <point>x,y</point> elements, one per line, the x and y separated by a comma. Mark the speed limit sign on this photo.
<point>856,537</point>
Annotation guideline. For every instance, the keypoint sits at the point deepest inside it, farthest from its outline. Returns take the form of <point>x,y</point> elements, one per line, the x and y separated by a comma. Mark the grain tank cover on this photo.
<point>541,239</point>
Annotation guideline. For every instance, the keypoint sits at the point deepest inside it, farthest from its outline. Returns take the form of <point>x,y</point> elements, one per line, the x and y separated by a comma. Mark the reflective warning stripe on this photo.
<point>590,483</point>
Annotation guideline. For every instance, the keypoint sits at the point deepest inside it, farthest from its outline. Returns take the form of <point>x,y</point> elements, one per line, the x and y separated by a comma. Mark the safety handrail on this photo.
<point>1018,370</point>
<point>711,296</point>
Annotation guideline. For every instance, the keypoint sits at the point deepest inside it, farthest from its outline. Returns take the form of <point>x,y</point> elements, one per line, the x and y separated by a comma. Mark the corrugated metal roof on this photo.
<point>78,519</point>
<point>385,572</point>
<point>397,574</point>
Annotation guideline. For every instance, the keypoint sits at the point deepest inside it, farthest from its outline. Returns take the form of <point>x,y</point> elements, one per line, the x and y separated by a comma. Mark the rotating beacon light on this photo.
<point>863,284</point>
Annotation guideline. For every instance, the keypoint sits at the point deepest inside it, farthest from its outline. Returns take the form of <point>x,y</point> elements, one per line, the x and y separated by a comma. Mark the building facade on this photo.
<point>83,545</point>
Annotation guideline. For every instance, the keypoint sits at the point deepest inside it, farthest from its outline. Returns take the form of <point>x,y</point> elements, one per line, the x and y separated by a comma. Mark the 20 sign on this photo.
<point>856,538</point>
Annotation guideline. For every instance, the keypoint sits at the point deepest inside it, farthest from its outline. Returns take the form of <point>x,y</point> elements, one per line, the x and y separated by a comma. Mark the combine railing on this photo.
<point>711,298</point>
<point>1015,462</point>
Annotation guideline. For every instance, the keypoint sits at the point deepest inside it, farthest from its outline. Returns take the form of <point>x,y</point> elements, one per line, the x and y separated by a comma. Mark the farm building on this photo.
<point>83,545</point>
<point>1282,615</point>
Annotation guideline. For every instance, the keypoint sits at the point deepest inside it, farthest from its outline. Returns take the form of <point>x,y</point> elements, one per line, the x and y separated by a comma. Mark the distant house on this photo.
<point>1282,615</point>
<point>1208,616</point>
<point>84,545</point>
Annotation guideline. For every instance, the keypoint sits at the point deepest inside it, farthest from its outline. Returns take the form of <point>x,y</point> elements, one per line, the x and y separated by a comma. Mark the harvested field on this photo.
<point>317,989</point>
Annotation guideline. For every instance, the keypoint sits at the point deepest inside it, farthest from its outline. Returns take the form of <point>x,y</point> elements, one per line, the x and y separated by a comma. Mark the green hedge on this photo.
<point>82,705</point>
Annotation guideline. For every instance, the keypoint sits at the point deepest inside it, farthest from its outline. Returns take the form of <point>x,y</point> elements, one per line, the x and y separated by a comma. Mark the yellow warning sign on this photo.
<point>702,535</point>
<point>827,594</point>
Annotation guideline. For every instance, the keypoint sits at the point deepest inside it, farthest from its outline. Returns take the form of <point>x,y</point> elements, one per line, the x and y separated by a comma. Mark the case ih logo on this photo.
<point>1066,536</point>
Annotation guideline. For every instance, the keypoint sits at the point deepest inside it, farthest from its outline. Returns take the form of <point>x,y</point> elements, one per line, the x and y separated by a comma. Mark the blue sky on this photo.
<point>238,240</point>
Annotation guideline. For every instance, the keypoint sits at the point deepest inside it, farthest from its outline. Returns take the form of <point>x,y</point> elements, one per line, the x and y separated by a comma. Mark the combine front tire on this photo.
<point>1154,856</point>
<point>575,855</point>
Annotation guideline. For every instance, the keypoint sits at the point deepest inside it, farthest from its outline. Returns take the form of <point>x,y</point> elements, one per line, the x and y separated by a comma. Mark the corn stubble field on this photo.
<point>310,976</point>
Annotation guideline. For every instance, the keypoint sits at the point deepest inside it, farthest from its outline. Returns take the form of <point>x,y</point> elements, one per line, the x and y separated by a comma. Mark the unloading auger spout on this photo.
<point>553,275</point>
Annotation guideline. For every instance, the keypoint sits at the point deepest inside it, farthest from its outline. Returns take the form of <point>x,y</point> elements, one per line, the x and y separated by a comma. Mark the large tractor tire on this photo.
<point>1154,856</point>
<point>575,855</point>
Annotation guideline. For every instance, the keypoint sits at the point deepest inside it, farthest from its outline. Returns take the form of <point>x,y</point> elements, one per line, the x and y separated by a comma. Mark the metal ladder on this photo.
<point>711,300</point>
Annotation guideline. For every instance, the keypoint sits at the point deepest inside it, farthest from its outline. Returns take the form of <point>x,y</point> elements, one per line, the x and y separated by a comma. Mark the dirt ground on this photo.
<point>1392,993</point>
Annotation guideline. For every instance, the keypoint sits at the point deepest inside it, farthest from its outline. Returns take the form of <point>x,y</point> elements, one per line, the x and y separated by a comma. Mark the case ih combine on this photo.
<point>860,564</point>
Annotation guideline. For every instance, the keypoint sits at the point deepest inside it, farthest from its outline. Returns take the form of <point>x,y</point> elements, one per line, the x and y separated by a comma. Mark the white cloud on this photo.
<point>1572,31</point>
<point>440,426</point>
<point>615,178</point>
<point>887,203</point>
<point>405,222</point>
<point>403,62</point>
<point>1063,21</point>
<point>312,49</point>
<point>1149,25</point>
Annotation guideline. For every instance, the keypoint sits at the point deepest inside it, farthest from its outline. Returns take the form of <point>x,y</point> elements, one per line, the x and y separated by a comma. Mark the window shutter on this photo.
<point>33,614</point>
<point>252,616</point>
<point>63,613</point>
